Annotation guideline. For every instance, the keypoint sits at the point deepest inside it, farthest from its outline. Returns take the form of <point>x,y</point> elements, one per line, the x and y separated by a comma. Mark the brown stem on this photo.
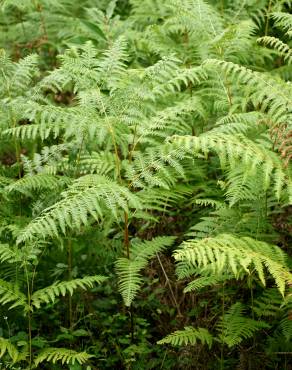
<point>169,285</point>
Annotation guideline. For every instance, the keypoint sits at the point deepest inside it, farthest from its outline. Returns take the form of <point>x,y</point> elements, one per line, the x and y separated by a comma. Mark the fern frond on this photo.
<point>128,269</point>
<point>284,21</point>
<point>65,356</point>
<point>10,294</point>
<point>7,347</point>
<point>112,66</point>
<point>235,327</point>
<point>188,336</point>
<point>278,45</point>
<point>90,195</point>
<point>231,148</point>
<point>29,183</point>
<point>10,254</point>
<point>227,252</point>
<point>50,293</point>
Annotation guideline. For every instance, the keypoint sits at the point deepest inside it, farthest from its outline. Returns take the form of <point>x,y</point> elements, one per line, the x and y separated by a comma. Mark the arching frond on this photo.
<point>227,252</point>
<point>129,269</point>
<point>188,336</point>
<point>10,294</point>
<point>50,293</point>
<point>63,355</point>
<point>231,148</point>
<point>91,195</point>
<point>278,45</point>
<point>234,327</point>
<point>7,347</point>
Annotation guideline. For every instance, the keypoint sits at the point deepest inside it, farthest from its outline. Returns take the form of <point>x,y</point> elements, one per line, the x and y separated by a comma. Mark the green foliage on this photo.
<point>237,255</point>
<point>129,269</point>
<point>235,327</point>
<point>65,356</point>
<point>123,122</point>
<point>62,288</point>
<point>188,336</point>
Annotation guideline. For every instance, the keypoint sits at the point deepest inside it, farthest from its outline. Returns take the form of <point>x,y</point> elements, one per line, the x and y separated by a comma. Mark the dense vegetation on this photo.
<point>145,184</point>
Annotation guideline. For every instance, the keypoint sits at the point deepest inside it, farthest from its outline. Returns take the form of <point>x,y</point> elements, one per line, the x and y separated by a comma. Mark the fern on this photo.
<point>235,327</point>
<point>7,347</point>
<point>86,196</point>
<point>10,294</point>
<point>237,254</point>
<point>188,336</point>
<point>231,148</point>
<point>50,293</point>
<point>129,269</point>
<point>65,356</point>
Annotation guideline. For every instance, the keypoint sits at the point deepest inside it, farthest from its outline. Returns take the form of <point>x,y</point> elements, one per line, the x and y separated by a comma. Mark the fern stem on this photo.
<point>223,331</point>
<point>69,251</point>
<point>112,133</point>
<point>170,287</point>
<point>268,18</point>
<point>29,317</point>
<point>127,247</point>
<point>39,9</point>
<point>126,234</point>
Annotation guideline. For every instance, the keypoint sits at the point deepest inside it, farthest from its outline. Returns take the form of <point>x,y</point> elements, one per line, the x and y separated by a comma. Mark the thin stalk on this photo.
<point>127,248</point>
<point>29,318</point>
<point>69,253</point>
<point>268,18</point>
<point>126,234</point>
<point>39,9</point>
<point>223,332</point>
<point>112,133</point>
<point>169,285</point>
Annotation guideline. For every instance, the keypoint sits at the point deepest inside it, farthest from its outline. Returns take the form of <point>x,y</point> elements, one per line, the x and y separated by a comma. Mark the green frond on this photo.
<point>10,294</point>
<point>64,355</point>
<point>10,254</point>
<point>188,336</point>
<point>284,21</point>
<point>129,269</point>
<point>90,195</point>
<point>194,16</point>
<point>112,66</point>
<point>28,184</point>
<point>234,327</point>
<point>268,303</point>
<point>206,281</point>
<point>62,288</point>
<point>263,89</point>
<point>130,279</point>
<point>159,166</point>
<point>20,73</point>
<point>7,347</point>
<point>278,45</point>
<point>229,253</point>
<point>233,147</point>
